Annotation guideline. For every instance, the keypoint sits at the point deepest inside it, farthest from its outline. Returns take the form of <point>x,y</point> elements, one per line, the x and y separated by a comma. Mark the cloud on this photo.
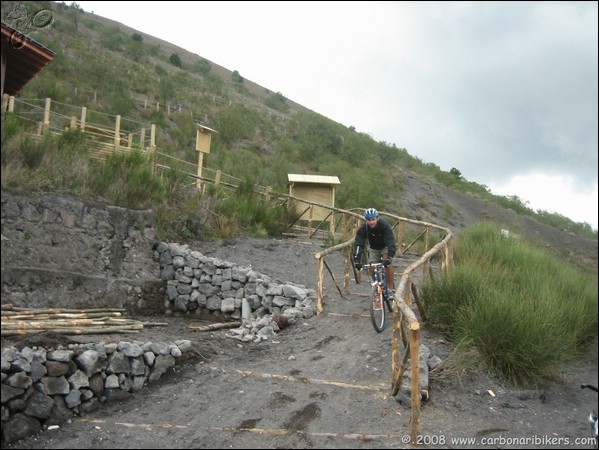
<point>540,191</point>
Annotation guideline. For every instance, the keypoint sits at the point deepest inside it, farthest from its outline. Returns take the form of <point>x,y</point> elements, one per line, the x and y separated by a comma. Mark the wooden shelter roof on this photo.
<point>316,179</point>
<point>22,59</point>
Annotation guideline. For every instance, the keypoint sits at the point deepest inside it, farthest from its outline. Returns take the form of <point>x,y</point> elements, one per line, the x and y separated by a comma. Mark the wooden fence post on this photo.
<point>399,237</point>
<point>117,132</point>
<point>319,285</point>
<point>46,122</point>
<point>415,369</point>
<point>152,148</point>
<point>153,137</point>
<point>200,164</point>
<point>268,193</point>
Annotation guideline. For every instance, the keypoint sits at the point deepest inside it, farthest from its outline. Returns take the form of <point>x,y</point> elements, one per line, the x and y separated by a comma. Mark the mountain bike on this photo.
<point>379,295</point>
<point>593,414</point>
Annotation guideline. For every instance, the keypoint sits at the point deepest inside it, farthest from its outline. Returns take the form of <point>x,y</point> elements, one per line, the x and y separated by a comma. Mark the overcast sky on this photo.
<point>506,92</point>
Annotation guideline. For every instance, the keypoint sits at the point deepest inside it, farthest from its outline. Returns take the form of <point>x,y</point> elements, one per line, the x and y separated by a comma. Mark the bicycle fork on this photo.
<point>377,303</point>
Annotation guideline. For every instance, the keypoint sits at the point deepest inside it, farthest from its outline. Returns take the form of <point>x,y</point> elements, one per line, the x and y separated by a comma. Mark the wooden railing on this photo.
<point>406,327</point>
<point>107,134</point>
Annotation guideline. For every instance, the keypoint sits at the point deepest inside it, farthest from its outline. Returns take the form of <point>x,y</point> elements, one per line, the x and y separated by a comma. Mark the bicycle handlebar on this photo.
<point>372,265</point>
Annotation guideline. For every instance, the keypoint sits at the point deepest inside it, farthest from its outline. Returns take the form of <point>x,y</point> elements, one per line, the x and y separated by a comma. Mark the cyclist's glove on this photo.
<point>357,264</point>
<point>386,262</point>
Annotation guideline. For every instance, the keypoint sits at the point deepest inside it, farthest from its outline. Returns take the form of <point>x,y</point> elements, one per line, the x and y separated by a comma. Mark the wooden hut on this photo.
<point>316,189</point>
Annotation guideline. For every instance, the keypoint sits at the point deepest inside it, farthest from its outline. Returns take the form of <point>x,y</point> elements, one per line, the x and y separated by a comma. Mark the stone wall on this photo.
<point>45,387</point>
<point>66,253</point>
<point>199,284</point>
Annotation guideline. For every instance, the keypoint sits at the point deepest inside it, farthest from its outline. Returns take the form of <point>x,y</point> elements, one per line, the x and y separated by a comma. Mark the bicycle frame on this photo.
<point>379,295</point>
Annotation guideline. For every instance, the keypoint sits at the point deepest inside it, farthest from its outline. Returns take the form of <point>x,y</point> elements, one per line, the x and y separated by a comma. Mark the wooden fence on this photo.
<point>406,327</point>
<point>106,133</point>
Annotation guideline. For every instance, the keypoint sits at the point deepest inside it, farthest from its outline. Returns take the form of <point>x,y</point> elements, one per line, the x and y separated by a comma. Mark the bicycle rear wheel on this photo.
<point>377,309</point>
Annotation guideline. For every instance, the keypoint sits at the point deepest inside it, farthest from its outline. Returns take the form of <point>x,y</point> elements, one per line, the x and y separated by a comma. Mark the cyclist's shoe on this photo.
<point>389,303</point>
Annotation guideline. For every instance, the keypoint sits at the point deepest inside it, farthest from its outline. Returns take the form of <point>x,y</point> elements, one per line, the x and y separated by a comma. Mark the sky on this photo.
<point>505,92</point>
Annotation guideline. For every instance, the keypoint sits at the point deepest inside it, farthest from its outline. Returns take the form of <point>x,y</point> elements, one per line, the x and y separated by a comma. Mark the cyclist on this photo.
<point>381,243</point>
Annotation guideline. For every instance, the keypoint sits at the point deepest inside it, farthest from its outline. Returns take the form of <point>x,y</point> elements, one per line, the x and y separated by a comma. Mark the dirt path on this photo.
<point>322,383</point>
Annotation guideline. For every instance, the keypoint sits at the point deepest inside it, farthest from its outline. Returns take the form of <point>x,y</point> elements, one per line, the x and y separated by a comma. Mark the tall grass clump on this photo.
<point>522,310</point>
<point>126,180</point>
<point>11,126</point>
<point>48,163</point>
<point>249,209</point>
<point>187,213</point>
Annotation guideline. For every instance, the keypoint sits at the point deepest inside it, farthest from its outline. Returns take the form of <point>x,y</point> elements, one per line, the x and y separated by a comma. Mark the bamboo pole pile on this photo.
<point>18,321</point>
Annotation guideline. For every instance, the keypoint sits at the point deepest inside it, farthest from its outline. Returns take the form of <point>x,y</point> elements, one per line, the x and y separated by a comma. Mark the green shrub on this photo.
<point>248,209</point>
<point>175,60</point>
<point>525,312</point>
<point>127,181</point>
<point>11,126</point>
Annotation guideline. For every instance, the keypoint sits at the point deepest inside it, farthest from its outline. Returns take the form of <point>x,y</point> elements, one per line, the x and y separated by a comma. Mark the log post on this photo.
<point>319,285</point>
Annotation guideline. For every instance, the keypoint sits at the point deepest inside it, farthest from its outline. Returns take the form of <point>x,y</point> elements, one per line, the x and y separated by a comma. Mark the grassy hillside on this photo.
<point>262,135</point>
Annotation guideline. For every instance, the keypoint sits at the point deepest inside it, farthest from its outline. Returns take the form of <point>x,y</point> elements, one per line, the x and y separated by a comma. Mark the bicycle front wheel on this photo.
<point>377,309</point>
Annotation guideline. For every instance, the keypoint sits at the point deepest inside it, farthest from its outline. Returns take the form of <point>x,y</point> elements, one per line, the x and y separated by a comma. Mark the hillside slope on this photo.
<point>429,201</point>
<point>85,42</point>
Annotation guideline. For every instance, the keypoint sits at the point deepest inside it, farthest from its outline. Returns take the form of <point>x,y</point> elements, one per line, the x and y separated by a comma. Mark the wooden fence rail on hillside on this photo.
<point>115,135</point>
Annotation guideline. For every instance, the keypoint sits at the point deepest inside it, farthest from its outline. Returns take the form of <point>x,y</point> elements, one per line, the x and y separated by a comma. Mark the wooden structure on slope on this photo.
<point>314,188</point>
<point>203,138</point>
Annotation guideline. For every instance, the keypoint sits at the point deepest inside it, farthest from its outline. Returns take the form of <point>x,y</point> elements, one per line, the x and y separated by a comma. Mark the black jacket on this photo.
<point>378,237</point>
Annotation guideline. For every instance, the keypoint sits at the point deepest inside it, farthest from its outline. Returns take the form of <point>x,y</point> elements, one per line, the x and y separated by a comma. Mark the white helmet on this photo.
<point>370,213</point>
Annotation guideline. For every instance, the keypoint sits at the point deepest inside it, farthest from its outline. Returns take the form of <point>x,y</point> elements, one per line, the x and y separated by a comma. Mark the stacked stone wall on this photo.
<point>63,252</point>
